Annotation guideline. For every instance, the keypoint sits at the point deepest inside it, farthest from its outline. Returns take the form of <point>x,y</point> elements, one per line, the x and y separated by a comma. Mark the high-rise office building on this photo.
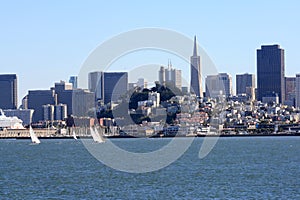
<point>83,101</point>
<point>169,76</point>
<point>8,90</point>
<point>132,86</point>
<point>114,85</point>
<point>270,72</point>
<point>176,78</point>
<point>211,86</point>
<point>290,91</point>
<point>141,83</point>
<point>108,86</point>
<point>24,102</point>
<point>196,81</point>
<point>62,86</point>
<point>244,81</point>
<point>216,85</point>
<point>64,93</point>
<point>225,80</point>
<point>74,81</point>
<point>298,90</point>
<point>95,81</point>
<point>162,75</point>
<point>38,98</point>
<point>78,101</point>
<point>184,89</point>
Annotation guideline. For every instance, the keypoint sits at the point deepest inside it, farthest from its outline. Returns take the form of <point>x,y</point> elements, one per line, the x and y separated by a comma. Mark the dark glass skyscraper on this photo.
<point>64,93</point>
<point>8,91</point>
<point>115,85</point>
<point>244,81</point>
<point>270,72</point>
<point>196,82</point>
<point>74,81</point>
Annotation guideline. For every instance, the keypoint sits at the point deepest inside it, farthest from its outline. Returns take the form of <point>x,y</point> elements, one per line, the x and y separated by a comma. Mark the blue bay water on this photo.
<point>237,168</point>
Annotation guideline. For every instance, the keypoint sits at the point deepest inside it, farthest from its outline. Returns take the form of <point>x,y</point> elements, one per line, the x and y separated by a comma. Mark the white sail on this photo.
<point>34,138</point>
<point>74,135</point>
<point>93,134</point>
<point>96,136</point>
<point>276,128</point>
<point>99,135</point>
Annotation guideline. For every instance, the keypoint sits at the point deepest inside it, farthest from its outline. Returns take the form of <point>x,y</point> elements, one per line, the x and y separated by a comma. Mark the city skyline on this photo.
<point>267,59</point>
<point>36,43</point>
<point>150,99</point>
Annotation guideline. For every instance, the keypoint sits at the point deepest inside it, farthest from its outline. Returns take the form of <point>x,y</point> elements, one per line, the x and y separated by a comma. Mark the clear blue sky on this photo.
<point>47,41</point>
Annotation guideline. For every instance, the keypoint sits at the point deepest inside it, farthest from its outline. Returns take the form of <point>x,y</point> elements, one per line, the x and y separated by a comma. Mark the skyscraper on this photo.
<point>8,91</point>
<point>244,81</point>
<point>220,84</point>
<point>141,83</point>
<point>38,98</point>
<point>196,82</point>
<point>114,85</point>
<point>95,83</point>
<point>108,86</point>
<point>74,81</point>
<point>170,76</point>
<point>176,78</point>
<point>211,86</point>
<point>64,93</point>
<point>62,86</point>
<point>83,101</point>
<point>290,91</point>
<point>225,81</point>
<point>162,75</point>
<point>78,102</point>
<point>270,72</point>
<point>298,90</point>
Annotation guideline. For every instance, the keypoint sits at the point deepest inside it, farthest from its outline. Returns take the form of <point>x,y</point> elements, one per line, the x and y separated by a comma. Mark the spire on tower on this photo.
<point>169,64</point>
<point>196,83</point>
<point>195,46</point>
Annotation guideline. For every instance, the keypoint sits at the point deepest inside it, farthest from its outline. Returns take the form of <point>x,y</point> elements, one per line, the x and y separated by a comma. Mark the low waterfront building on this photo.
<point>60,112</point>
<point>24,114</point>
<point>48,111</point>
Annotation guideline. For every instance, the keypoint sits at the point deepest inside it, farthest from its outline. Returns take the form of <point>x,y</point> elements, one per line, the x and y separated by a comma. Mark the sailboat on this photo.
<point>100,135</point>
<point>74,135</point>
<point>96,136</point>
<point>34,138</point>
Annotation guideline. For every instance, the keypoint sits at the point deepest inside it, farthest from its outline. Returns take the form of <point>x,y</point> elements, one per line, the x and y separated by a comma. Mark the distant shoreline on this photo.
<point>156,136</point>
